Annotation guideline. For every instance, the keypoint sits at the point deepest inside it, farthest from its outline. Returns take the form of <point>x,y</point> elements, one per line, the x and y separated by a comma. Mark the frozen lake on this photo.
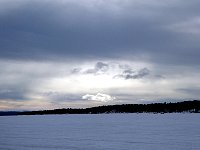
<point>101,132</point>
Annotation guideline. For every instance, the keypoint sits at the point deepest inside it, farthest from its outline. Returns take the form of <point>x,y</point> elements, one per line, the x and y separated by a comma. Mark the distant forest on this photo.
<point>179,107</point>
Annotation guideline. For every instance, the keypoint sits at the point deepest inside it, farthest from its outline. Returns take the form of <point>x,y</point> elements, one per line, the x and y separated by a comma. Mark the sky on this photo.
<point>84,53</point>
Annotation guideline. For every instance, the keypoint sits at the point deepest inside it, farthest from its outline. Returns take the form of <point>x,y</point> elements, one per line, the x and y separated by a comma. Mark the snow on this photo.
<point>101,132</point>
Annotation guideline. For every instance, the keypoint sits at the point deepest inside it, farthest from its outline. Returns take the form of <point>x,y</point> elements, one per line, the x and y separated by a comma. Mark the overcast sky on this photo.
<point>83,53</point>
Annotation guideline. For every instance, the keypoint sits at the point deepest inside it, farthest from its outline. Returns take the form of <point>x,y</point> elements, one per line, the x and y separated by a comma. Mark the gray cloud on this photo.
<point>16,94</point>
<point>19,79</point>
<point>130,74</point>
<point>192,91</point>
<point>158,76</point>
<point>87,29</point>
<point>127,71</point>
<point>55,96</point>
<point>99,68</point>
<point>76,70</point>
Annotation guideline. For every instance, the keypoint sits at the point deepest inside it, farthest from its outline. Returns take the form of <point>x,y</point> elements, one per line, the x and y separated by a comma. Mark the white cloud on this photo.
<point>99,97</point>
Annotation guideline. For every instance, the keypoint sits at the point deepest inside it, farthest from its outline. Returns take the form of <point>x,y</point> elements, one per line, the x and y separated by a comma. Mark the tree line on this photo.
<point>185,106</point>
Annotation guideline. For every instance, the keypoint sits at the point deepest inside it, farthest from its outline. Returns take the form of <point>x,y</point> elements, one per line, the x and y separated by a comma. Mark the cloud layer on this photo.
<point>40,85</point>
<point>132,29</point>
<point>54,52</point>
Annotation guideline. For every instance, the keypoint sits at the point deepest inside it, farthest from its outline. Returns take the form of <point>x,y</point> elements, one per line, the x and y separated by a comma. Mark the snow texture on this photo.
<point>101,132</point>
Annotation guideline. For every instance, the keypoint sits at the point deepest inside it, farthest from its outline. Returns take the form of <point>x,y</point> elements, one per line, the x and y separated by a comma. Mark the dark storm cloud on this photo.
<point>91,29</point>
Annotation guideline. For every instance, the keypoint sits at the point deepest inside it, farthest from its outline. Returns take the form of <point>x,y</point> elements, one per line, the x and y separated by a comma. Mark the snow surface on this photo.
<point>101,132</point>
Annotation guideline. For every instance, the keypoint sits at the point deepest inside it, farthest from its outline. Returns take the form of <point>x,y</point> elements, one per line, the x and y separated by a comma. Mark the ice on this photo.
<point>175,131</point>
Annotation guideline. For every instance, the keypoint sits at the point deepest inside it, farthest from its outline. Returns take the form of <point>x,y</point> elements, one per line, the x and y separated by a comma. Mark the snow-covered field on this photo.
<point>101,132</point>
